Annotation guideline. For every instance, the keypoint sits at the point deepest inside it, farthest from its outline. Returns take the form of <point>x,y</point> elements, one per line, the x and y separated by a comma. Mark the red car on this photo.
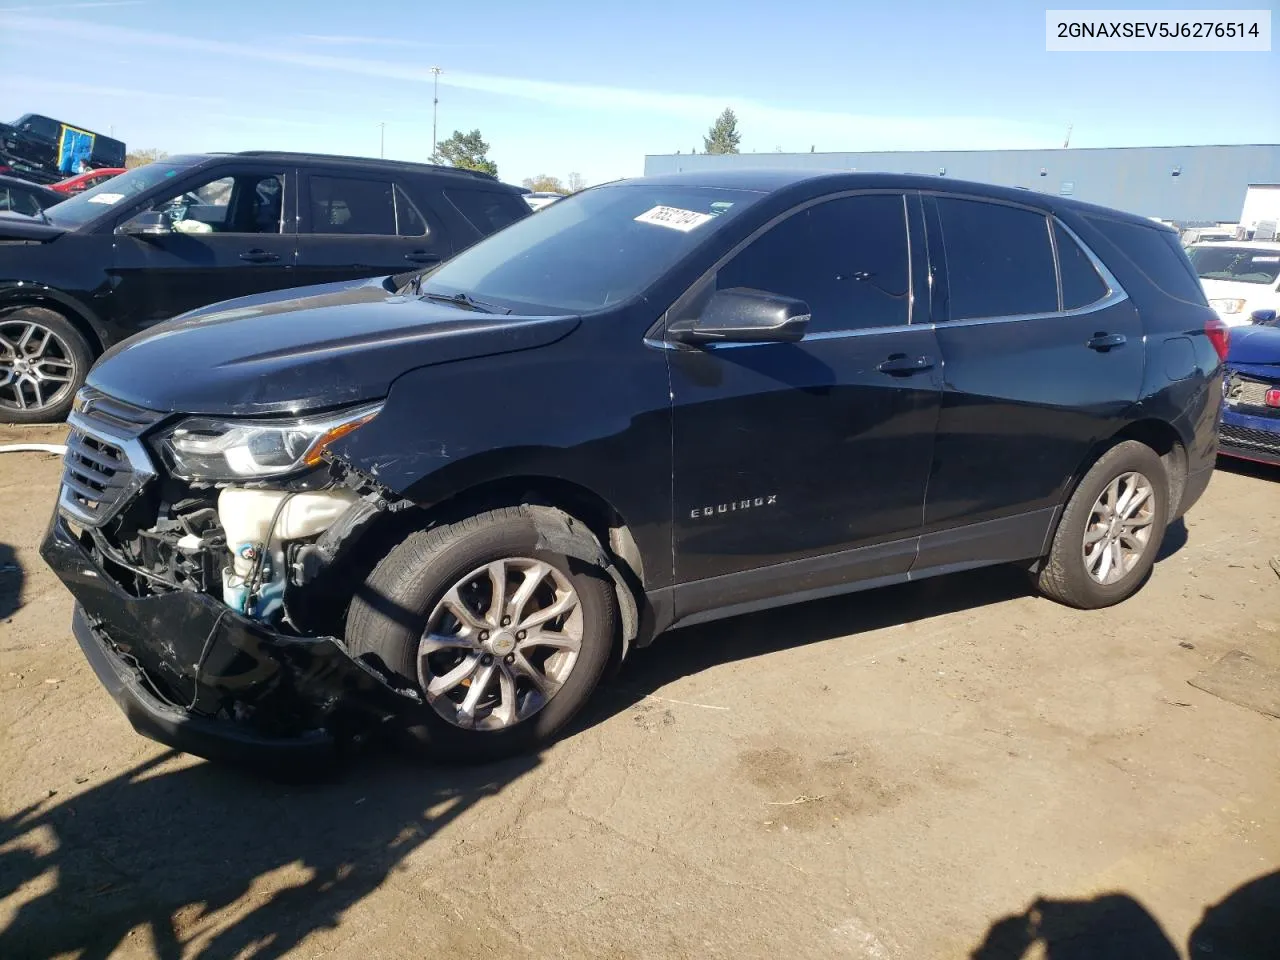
<point>83,181</point>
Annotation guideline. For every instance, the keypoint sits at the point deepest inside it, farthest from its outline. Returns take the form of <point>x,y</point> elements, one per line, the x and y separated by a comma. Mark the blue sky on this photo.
<point>594,86</point>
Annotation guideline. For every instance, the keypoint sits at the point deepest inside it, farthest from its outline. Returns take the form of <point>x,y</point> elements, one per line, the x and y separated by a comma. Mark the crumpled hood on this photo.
<point>1255,346</point>
<point>304,349</point>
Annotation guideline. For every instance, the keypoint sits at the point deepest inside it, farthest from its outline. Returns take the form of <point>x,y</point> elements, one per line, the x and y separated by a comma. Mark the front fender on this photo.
<point>19,292</point>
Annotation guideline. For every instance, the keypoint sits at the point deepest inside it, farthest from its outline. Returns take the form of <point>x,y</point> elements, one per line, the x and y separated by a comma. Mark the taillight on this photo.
<point>1219,335</point>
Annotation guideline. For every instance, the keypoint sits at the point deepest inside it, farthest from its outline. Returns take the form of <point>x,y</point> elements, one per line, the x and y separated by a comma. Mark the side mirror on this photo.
<point>1267,317</point>
<point>149,223</point>
<point>742,315</point>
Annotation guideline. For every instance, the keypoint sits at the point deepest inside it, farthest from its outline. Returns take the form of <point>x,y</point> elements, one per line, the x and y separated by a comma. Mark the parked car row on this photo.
<point>441,503</point>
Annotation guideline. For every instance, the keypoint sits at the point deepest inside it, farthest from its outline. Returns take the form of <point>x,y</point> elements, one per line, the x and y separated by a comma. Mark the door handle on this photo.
<point>259,256</point>
<point>900,363</point>
<point>422,256</point>
<point>1102,342</point>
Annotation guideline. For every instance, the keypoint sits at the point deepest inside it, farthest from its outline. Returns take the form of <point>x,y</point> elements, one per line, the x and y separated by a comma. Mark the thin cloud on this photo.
<point>44,8</point>
<point>41,86</point>
<point>864,131</point>
<point>336,40</point>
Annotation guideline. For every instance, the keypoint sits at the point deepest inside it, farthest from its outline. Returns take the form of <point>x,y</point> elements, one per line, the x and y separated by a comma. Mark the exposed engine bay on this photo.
<point>255,548</point>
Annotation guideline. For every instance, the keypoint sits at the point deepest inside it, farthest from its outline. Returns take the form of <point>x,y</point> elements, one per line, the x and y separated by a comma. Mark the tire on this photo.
<point>407,589</point>
<point>65,351</point>
<point>1065,575</point>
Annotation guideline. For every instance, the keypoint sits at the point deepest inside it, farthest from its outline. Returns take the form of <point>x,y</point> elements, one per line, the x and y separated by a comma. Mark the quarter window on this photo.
<point>999,261</point>
<point>488,210</point>
<point>846,258</point>
<point>1156,252</point>
<point>1081,284</point>
<point>347,205</point>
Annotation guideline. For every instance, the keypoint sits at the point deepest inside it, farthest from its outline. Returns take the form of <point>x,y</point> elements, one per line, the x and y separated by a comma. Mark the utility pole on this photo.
<point>382,139</point>
<point>435,105</point>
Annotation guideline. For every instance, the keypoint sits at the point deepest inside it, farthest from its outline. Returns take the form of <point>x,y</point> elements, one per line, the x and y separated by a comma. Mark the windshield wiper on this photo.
<point>466,300</point>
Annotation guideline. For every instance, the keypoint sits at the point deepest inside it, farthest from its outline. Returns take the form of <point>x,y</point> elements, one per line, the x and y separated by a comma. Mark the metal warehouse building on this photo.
<point>1189,185</point>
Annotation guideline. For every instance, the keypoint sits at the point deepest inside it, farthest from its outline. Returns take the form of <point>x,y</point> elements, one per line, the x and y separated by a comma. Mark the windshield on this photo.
<point>1242,264</point>
<point>591,250</point>
<point>92,203</point>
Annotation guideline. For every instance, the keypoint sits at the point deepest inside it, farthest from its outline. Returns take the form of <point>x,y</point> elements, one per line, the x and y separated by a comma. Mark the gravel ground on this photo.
<point>944,769</point>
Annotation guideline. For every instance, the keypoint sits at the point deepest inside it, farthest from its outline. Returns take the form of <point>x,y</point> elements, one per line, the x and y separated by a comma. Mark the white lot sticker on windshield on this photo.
<point>674,217</point>
<point>1266,259</point>
<point>107,198</point>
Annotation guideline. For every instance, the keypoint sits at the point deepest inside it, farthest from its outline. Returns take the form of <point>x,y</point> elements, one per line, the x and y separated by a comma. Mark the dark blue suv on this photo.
<point>443,504</point>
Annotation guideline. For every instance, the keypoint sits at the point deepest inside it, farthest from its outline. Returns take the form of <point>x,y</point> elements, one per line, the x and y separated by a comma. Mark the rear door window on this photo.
<point>1081,284</point>
<point>999,259</point>
<point>487,210</point>
<point>352,206</point>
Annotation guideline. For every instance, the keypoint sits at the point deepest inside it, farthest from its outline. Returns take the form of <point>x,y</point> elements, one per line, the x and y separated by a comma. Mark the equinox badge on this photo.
<point>733,506</point>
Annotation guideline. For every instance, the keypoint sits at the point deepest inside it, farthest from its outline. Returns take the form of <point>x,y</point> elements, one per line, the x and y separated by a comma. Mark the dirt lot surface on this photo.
<point>899,774</point>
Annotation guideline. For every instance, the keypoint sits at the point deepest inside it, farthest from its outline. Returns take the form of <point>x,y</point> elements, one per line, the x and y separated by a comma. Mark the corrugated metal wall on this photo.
<point>1209,187</point>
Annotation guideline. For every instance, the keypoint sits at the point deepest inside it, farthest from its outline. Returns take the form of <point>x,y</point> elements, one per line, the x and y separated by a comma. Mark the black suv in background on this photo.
<point>165,238</point>
<point>444,507</point>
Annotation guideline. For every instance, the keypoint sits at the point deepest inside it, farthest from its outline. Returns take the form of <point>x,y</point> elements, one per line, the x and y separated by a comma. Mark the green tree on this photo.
<point>465,150</point>
<point>543,183</point>
<point>140,158</point>
<point>723,136</point>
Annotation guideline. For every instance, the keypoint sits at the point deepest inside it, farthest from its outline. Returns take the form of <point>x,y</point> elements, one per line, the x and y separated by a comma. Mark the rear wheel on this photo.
<point>504,639</point>
<point>43,361</point>
<point>1111,530</point>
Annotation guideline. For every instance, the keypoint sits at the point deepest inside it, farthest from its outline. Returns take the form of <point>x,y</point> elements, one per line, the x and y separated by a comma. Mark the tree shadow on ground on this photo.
<point>10,581</point>
<point>1114,926</point>
<point>168,849</point>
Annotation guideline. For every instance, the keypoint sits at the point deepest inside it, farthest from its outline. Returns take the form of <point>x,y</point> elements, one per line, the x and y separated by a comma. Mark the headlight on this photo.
<point>204,448</point>
<point>1227,306</point>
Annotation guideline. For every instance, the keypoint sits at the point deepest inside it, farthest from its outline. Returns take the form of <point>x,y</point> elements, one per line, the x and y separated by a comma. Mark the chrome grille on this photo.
<point>105,465</point>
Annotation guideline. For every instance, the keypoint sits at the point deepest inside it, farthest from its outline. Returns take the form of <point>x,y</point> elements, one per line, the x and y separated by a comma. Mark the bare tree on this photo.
<point>140,158</point>
<point>544,183</point>
<point>576,182</point>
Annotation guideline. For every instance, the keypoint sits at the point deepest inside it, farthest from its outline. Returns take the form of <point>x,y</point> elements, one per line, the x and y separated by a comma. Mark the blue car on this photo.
<point>1251,415</point>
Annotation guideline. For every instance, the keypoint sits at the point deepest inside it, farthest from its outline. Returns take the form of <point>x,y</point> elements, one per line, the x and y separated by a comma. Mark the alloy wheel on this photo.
<point>500,644</point>
<point>1119,527</point>
<point>37,368</point>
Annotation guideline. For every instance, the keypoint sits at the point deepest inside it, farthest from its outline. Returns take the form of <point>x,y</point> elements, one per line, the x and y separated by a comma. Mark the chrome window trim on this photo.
<point>1115,294</point>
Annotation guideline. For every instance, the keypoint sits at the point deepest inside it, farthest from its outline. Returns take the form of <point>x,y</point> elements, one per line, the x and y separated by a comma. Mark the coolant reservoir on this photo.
<point>246,517</point>
<point>246,514</point>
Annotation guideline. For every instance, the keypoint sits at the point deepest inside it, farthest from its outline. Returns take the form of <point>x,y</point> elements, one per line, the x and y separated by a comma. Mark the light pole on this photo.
<point>382,139</point>
<point>435,106</point>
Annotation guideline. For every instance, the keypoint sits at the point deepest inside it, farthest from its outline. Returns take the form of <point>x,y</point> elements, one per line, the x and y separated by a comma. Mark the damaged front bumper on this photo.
<point>190,672</point>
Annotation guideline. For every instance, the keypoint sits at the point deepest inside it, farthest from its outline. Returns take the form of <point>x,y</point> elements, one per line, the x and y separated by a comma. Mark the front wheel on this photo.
<point>43,361</point>
<point>504,639</point>
<point>1111,530</point>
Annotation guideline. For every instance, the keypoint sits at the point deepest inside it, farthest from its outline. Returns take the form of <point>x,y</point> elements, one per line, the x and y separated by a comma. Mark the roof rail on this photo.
<point>295,155</point>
